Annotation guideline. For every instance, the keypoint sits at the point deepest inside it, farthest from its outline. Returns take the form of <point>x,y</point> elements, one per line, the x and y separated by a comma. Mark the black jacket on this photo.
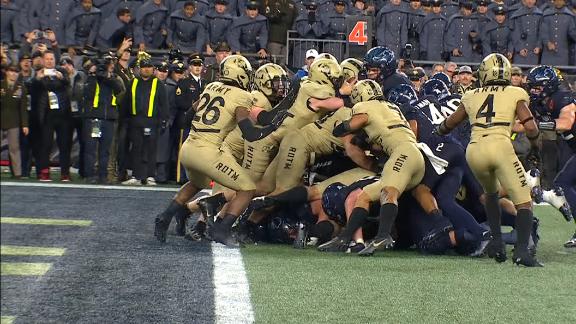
<point>107,103</point>
<point>138,104</point>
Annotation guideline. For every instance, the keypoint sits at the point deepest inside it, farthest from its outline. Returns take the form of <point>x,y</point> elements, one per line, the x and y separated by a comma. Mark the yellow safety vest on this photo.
<point>97,97</point>
<point>150,101</point>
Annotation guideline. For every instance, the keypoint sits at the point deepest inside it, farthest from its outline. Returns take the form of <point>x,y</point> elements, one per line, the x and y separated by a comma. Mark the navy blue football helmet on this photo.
<point>383,58</point>
<point>332,202</point>
<point>435,88</point>
<point>443,77</point>
<point>546,77</point>
<point>403,94</point>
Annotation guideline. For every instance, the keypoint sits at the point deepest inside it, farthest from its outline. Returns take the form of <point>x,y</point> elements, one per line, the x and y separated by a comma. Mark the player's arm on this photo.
<point>563,123</point>
<point>351,125</point>
<point>249,131</point>
<point>414,126</point>
<point>332,103</point>
<point>453,120</point>
<point>527,121</point>
<point>357,154</point>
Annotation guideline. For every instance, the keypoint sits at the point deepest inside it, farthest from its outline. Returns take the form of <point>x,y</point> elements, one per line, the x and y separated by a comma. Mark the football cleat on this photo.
<point>481,250</point>
<point>496,250</point>
<point>376,244</point>
<point>222,236</point>
<point>197,233</point>
<point>160,229</point>
<point>533,180</point>
<point>336,244</point>
<point>571,243</point>
<point>355,247</point>
<point>526,259</point>
<point>181,221</point>
<point>556,198</point>
<point>261,203</point>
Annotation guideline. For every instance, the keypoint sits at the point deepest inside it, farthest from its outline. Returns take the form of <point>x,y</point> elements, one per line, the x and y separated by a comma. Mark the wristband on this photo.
<point>342,129</point>
<point>547,125</point>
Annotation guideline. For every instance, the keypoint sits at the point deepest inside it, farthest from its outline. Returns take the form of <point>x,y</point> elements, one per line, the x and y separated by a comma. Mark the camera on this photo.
<point>407,51</point>
<point>39,34</point>
<point>49,72</point>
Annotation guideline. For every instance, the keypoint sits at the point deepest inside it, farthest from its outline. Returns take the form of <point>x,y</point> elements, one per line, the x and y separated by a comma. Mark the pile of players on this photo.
<point>405,169</point>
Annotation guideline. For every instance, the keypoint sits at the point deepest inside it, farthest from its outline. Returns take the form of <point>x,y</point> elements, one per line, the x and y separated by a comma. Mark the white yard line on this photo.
<point>87,186</point>
<point>232,293</point>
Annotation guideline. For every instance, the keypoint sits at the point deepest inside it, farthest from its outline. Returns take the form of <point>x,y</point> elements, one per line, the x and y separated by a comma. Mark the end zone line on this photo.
<point>87,186</point>
<point>231,293</point>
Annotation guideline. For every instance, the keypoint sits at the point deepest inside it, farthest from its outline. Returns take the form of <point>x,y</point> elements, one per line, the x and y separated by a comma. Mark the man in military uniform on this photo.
<point>392,26</point>
<point>492,111</point>
<point>249,33</point>
<point>309,25</point>
<point>82,25</point>
<point>187,91</point>
<point>483,16</point>
<point>415,18</point>
<point>450,8</point>
<point>462,39</point>
<point>432,33</point>
<point>218,22</point>
<point>201,6</point>
<point>150,28</point>
<point>187,29</point>
<point>557,32</point>
<point>110,7</point>
<point>525,24</point>
<point>53,16</point>
<point>115,29</point>
<point>212,72</point>
<point>336,29</point>
<point>497,36</point>
<point>281,15</point>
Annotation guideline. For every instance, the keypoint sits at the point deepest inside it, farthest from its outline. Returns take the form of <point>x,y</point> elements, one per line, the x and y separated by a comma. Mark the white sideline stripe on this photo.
<point>232,293</point>
<point>86,186</point>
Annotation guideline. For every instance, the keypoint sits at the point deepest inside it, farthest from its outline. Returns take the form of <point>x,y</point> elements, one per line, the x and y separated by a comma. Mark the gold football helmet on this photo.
<point>366,90</point>
<point>272,80</point>
<point>495,69</point>
<point>326,71</point>
<point>326,56</point>
<point>351,67</point>
<point>237,69</point>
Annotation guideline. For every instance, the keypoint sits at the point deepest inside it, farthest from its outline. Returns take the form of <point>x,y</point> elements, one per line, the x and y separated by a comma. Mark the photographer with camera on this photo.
<point>41,41</point>
<point>50,87</point>
<point>103,87</point>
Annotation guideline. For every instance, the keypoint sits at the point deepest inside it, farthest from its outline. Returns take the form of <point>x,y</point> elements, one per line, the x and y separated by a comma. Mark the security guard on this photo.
<point>148,113</point>
<point>83,24</point>
<point>187,91</point>
<point>187,29</point>
<point>525,24</point>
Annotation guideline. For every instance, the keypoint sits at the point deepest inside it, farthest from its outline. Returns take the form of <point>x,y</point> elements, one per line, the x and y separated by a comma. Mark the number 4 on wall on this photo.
<point>358,33</point>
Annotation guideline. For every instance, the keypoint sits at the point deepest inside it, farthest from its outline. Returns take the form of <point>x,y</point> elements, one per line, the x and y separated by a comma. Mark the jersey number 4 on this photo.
<point>209,110</point>
<point>487,109</point>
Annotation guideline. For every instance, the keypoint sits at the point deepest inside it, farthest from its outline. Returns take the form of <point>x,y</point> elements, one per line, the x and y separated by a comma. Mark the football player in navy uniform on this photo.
<point>554,110</point>
<point>381,64</point>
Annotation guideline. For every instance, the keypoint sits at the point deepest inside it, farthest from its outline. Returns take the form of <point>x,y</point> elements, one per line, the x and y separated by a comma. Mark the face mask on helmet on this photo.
<point>543,82</point>
<point>404,94</point>
<point>280,86</point>
<point>366,90</point>
<point>272,80</point>
<point>435,88</point>
<point>351,68</point>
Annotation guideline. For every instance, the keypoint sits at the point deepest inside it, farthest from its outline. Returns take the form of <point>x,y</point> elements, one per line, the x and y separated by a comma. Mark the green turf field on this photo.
<point>305,286</point>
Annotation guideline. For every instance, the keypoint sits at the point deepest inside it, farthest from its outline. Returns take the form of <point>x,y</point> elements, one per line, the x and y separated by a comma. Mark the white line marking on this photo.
<point>86,186</point>
<point>232,293</point>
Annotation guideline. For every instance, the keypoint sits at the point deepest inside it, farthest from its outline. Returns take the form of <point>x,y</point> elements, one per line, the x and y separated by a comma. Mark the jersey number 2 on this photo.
<point>487,109</point>
<point>209,106</point>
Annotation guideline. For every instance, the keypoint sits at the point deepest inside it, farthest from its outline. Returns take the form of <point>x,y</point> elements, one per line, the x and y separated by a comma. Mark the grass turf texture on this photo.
<point>306,286</point>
